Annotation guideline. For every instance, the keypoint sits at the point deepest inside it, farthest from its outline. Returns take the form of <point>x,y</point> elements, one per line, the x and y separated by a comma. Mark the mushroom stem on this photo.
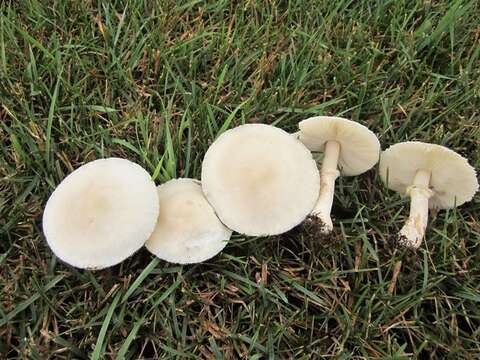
<point>328,175</point>
<point>413,231</point>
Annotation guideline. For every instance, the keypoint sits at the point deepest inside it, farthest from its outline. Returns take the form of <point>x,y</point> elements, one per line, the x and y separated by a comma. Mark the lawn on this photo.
<point>156,83</point>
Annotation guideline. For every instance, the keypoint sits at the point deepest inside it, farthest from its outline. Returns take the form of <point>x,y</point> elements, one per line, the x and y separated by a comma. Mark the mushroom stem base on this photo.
<point>328,175</point>
<point>413,231</point>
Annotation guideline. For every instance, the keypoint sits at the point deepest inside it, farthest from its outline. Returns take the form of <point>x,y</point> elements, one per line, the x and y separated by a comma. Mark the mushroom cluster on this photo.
<point>256,180</point>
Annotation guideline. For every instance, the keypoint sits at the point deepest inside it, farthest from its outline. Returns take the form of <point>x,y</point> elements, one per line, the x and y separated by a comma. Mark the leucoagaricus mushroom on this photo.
<point>349,149</point>
<point>187,230</point>
<point>101,213</point>
<point>260,180</point>
<point>433,176</point>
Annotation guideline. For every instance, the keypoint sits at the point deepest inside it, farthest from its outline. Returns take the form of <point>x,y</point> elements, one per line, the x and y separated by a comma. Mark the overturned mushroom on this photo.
<point>347,146</point>
<point>433,176</point>
<point>260,180</point>
<point>101,213</point>
<point>187,231</point>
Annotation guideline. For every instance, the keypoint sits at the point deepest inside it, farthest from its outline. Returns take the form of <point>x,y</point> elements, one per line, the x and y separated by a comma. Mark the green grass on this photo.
<point>81,80</point>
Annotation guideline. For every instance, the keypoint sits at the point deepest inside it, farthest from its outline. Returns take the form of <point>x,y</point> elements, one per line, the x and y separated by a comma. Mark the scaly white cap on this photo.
<point>260,180</point>
<point>359,146</point>
<point>101,213</point>
<point>452,181</point>
<point>187,231</point>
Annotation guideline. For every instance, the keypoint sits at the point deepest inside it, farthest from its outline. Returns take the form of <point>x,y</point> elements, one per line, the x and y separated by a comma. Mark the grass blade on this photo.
<point>97,352</point>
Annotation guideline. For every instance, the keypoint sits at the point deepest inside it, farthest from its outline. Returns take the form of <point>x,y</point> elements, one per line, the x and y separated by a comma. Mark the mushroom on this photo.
<point>187,231</point>
<point>101,213</point>
<point>260,180</point>
<point>433,176</point>
<point>347,146</point>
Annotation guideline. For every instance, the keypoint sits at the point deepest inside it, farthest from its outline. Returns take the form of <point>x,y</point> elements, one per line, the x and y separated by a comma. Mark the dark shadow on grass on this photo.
<point>312,230</point>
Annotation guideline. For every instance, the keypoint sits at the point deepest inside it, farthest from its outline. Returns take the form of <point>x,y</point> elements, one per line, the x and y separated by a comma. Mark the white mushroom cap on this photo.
<point>187,231</point>
<point>101,213</point>
<point>260,180</point>
<point>453,181</point>
<point>359,147</point>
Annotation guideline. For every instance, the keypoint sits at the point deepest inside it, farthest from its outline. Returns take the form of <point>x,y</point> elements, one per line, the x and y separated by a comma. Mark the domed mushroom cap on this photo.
<point>101,213</point>
<point>359,147</point>
<point>187,231</point>
<point>260,180</point>
<point>452,180</point>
